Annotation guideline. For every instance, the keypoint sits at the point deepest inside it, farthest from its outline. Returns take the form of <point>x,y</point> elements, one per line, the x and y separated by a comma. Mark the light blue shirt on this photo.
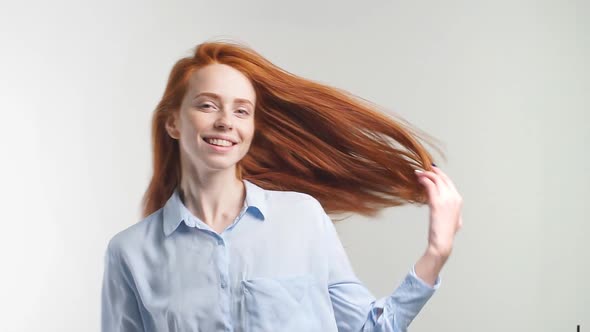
<point>279,267</point>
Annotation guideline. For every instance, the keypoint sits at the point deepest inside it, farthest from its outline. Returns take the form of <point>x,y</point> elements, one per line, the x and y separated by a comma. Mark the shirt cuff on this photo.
<point>396,312</point>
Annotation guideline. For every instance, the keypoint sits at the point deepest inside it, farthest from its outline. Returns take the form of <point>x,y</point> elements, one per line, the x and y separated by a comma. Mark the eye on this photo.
<point>206,106</point>
<point>243,111</point>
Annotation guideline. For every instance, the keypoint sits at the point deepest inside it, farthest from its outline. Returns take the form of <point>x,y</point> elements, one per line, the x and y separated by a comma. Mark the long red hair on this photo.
<point>345,151</point>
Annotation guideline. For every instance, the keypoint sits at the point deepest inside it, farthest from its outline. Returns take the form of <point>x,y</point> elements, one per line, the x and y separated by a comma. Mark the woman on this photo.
<point>235,236</point>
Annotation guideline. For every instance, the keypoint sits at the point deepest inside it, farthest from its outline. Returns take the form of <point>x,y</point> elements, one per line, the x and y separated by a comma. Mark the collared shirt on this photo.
<point>279,266</point>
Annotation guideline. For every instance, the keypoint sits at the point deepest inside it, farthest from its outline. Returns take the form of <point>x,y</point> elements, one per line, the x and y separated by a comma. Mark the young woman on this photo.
<point>248,162</point>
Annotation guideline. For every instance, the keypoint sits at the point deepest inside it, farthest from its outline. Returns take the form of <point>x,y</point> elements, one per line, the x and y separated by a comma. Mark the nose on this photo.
<point>224,121</point>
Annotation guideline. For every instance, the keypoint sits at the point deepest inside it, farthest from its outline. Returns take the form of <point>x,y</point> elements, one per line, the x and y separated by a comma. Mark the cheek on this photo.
<point>194,127</point>
<point>190,137</point>
<point>251,135</point>
<point>189,134</point>
<point>250,130</point>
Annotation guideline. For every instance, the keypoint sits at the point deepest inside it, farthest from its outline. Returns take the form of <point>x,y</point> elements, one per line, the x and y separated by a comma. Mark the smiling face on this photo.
<point>219,102</point>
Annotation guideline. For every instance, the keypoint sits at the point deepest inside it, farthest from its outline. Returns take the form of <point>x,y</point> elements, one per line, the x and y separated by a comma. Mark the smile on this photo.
<point>219,148</point>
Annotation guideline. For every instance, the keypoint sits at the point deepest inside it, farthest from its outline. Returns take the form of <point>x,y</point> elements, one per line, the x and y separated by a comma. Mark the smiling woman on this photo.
<point>218,107</point>
<point>248,160</point>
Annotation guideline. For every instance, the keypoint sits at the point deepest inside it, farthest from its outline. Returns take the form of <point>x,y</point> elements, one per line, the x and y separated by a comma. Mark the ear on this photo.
<point>172,125</point>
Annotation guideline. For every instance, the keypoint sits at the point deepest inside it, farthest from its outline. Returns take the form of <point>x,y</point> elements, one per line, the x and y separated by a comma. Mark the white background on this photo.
<point>504,85</point>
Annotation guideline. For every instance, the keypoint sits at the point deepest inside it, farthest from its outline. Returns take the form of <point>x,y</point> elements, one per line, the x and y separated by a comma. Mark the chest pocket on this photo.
<point>278,304</point>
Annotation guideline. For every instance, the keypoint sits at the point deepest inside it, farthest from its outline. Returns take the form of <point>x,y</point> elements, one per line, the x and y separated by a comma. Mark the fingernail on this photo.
<point>418,171</point>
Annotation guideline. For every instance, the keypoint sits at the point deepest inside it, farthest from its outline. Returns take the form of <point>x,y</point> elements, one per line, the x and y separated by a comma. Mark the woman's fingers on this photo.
<point>431,187</point>
<point>452,190</point>
<point>445,178</point>
<point>445,210</point>
<point>441,187</point>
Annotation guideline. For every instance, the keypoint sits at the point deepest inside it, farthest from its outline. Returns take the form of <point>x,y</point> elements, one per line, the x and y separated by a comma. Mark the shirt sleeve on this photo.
<point>119,307</point>
<point>355,308</point>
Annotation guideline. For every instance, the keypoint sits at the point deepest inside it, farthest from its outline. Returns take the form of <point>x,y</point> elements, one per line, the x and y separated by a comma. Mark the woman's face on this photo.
<point>219,101</point>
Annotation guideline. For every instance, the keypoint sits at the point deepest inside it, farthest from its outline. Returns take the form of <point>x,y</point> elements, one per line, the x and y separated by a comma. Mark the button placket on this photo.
<point>221,252</point>
<point>223,267</point>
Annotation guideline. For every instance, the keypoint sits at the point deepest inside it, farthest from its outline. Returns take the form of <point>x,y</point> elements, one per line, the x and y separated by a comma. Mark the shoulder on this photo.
<point>292,196</point>
<point>294,200</point>
<point>305,209</point>
<point>134,237</point>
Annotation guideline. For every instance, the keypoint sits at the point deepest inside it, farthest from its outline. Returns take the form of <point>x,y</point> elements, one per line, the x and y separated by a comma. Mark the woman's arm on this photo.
<point>355,308</point>
<point>119,307</point>
<point>429,266</point>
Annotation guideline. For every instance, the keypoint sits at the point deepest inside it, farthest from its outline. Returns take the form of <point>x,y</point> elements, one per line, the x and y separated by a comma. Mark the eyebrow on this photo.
<point>216,96</point>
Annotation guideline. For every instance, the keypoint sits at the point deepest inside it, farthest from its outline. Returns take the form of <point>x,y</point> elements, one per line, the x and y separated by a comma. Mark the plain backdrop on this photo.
<point>503,85</point>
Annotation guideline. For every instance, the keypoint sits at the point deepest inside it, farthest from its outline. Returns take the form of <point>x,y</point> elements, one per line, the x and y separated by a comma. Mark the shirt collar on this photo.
<point>175,211</point>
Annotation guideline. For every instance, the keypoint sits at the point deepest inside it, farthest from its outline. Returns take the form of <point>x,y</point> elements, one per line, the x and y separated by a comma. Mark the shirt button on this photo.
<point>223,282</point>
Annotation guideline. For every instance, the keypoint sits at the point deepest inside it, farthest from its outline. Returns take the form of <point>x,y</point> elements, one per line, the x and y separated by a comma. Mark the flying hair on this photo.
<point>352,155</point>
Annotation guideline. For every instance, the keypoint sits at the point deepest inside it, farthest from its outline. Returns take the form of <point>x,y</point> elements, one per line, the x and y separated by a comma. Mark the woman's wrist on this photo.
<point>429,266</point>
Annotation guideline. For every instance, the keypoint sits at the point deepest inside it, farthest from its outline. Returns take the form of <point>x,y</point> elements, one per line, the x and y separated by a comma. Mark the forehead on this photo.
<point>223,80</point>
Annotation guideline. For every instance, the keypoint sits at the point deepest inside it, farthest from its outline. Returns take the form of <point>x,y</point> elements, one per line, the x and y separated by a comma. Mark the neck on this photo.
<point>215,197</point>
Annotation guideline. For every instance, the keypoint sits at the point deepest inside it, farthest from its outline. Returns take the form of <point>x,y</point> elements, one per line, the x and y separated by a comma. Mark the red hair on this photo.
<point>309,137</point>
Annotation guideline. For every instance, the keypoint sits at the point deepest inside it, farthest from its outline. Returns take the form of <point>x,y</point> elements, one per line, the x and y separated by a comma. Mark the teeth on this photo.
<point>220,142</point>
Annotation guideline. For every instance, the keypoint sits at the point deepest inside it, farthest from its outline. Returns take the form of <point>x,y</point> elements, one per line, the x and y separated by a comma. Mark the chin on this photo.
<point>220,165</point>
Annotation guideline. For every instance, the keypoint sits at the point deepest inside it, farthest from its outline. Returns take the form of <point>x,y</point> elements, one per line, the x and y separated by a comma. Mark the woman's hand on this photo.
<point>445,211</point>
